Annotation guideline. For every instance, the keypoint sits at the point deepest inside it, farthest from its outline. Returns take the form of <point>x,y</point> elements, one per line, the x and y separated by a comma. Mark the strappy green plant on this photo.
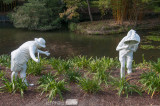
<point>151,79</point>
<point>124,87</point>
<point>60,64</point>
<point>2,74</point>
<point>89,85</point>
<point>52,87</point>
<point>151,82</point>
<point>102,75</point>
<point>45,78</point>
<point>36,68</point>
<point>72,75</point>
<point>12,87</point>
<point>5,60</point>
<point>81,62</point>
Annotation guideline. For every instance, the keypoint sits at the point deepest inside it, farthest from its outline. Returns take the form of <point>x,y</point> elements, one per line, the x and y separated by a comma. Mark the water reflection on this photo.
<point>64,44</point>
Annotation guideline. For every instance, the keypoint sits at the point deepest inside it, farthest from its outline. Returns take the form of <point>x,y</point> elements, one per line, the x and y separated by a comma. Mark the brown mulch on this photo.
<point>106,97</point>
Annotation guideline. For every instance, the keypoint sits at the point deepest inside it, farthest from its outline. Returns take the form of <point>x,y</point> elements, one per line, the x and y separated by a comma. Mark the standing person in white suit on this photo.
<point>126,47</point>
<point>20,57</point>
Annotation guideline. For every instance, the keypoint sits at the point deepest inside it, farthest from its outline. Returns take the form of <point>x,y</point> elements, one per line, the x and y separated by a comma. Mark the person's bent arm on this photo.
<point>32,51</point>
<point>43,52</point>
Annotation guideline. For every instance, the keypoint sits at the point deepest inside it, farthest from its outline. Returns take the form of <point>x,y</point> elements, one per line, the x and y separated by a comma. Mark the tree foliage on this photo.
<point>7,1</point>
<point>38,15</point>
<point>71,9</point>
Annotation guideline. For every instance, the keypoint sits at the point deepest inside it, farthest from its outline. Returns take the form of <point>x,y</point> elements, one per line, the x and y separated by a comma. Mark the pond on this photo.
<point>65,44</point>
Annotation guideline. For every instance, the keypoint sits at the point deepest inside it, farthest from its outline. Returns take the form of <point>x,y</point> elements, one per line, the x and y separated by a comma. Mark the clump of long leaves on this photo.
<point>5,60</point>
<point>151,79</point>
<point>45,78</point>
<point>35,68</point>
<point>94,65</point>
<point>124,87</point>
<point>102,75</point>
<point>81,62</point>
<point>89,85</point>
<point>52,87</point>
<point>16,86</point>
<point>156,66</point>
<point>72,75</point>
<point>2,74</point>
<point>102,63</point>
<point>60,65</point>
<point>151,82</point>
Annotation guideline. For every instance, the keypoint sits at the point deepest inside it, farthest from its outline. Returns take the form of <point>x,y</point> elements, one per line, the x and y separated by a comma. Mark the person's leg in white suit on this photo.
<point>23,74</point>
<point>122,71</point>
<point>129,62</point>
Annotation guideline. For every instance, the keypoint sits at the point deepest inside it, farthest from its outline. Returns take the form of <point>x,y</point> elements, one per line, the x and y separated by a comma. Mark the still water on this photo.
<point>65,44</point>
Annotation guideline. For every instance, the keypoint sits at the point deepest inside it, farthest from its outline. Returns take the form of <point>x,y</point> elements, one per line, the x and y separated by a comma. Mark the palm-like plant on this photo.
<point>16,86</point>
<point>52,87</point>
<point>5,60</point>
<point>124,87</point>
<point>72,75</point>
<point>89,85</point>
<point>151,82</point>
<point>35,68</point>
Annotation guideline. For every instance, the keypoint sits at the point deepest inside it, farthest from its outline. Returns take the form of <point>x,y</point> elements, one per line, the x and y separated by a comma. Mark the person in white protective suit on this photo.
<point>20,57</point>
<point>126,47</point>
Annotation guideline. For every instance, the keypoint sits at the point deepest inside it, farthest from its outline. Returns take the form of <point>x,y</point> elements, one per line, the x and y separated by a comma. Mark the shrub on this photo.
<point>38,15</point>
<point>124,87</point>
<point>53,87</point>
<point>102,63</point>
<point>102,75</point>
<point>72,26</point>
<point>72,75</point>
<point>60,65</point>
<point>5,60</point>
<point>35,68</point>
<point>2,74</point>
<point>151,80</point>
<point>81,62</point>
<point>94,65</point>
<point>45,78</point>
<point>16,86</point>
<point>88,85</point>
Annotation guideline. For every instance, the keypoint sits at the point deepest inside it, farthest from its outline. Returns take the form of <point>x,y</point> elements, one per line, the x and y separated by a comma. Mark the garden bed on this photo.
<point>104,97</point>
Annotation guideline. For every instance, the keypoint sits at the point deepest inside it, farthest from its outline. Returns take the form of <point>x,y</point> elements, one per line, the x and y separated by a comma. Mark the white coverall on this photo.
<point>126,51</point>
<point>20,57</point>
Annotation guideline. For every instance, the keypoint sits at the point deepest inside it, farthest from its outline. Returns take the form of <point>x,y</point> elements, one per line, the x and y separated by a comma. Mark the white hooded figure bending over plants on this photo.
<point>20,57</point>
<point>126,47</point>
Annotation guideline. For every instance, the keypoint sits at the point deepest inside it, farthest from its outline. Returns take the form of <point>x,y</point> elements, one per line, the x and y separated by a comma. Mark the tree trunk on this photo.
<point>89,10</point>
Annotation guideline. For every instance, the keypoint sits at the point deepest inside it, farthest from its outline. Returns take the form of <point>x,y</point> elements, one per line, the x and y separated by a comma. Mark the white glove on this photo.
<point>47,53</point>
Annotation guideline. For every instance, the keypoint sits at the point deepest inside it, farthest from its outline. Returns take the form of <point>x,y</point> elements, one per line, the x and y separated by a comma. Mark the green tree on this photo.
<point>73,6</point>
<point>103,6</point>
<point>38,15</point>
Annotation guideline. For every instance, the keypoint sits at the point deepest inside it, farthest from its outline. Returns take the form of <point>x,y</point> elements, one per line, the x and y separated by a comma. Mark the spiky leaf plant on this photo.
<point>124,87</point>
<point>12,87</point>
<point>89,85</point>
<point>52,87</point>
<point>5,60</point>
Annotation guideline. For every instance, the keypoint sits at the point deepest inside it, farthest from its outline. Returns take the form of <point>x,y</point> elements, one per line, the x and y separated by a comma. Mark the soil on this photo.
<point>106,97</point>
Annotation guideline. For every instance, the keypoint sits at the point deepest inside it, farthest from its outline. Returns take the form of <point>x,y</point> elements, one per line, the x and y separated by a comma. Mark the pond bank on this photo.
<point>106,27</point>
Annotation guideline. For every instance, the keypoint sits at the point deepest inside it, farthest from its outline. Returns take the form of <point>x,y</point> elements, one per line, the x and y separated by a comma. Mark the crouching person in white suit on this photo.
<point>126,47</point>
<point>20,57</point>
